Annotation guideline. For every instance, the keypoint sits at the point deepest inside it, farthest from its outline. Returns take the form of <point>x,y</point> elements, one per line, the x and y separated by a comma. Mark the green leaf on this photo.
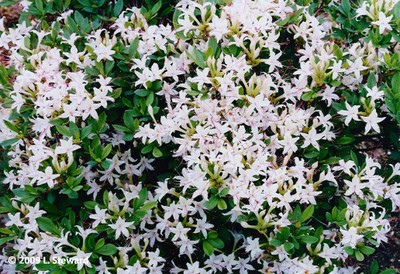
<point>121,128</point>
<point>157,152</point>
<point>371,82</point>
<point>106,151</point>
<point>396,11</point>
<point>346,7</point>
<point>73,128</point>
<point>217,243</point>
<point>307,96</point>
<point>39,5</point>
<point>143,194</point>
<point>119,5</point>
<point>359,256</point>
<point>288,247</point>
<point>90,204</point>
<point>307,239</point>
<point>337,51</point>
<point>150,99</point>
<point>149,205</point>
<point>396,83</point>
<point>197,57</point>
<point>6,231</point>
<point>338,106</point>
<point>222,204</point>
<point>101,122</point>
<point>175,18</point>
<point>374,268</point>
<point>79,19</point>
<point>133,47</point>
<point>367,250</point>
<point>64,131</point>
<point>307,214</point>
<point>85,3</point>
<point>275,242</point>
<point>128,120</point>
<point>51,197</point>
<point>11,126</point>
<point>99,243</point>
<point>108,250</point>
<point>146,149</point>
<point>388,271</point>
<point>208,248</point>
<point>295,215</point>
<point>9,142</point>
<point>47,225</point>
<point>354,158</point>
<point>349,250</point>
<point>331,160</point>
<point>224,192</point>
<point>6,239</point>
<point>156,7</point>
<point>86,131</point>
<point>3,72</point>
<point>25,195</point>
<point>116,93</point>
<point>212,202</point>
<point>284,233</point>
<point>345,140</point>
<point>212,45</point>
<point>142,92</point>
<point>311,152</point>
<point>212,235</point>
<point>6,3</point>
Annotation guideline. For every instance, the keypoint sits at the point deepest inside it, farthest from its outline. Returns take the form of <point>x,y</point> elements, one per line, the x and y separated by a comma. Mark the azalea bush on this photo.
<point>198,136</point>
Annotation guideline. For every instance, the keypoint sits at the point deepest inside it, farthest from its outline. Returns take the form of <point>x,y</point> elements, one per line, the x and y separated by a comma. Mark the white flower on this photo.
<point>179,231</point>
<point>121,226</point>
<point>383,22</point>
<point>47,177</point>
<point>372,121</point>
<point>350,237</point>
<point>202,226</point>
<point>81,258</point>
<point>374,93</point>
<point>253,246</point>
<point>351,113</point>
<point>103,52</point>
<point>66,147</point>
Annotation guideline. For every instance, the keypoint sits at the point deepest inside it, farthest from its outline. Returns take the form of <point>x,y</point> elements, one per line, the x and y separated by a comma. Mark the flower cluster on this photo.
<point>239,136</point>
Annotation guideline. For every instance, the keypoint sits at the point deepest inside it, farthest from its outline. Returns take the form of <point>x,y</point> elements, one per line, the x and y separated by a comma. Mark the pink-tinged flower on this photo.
<point>47,177</point>
<point>66,147</point>
<point>100,216</point>
<point>350,237</point>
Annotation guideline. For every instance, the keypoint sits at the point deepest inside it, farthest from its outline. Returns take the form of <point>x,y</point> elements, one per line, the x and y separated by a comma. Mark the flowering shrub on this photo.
<point>199,136</point>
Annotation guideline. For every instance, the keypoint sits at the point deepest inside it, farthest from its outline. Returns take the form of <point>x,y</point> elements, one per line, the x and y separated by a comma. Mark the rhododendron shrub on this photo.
<point>199,136</point>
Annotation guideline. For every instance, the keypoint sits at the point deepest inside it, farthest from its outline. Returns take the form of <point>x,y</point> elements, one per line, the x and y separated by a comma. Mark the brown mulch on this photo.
<point>10,14</point>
